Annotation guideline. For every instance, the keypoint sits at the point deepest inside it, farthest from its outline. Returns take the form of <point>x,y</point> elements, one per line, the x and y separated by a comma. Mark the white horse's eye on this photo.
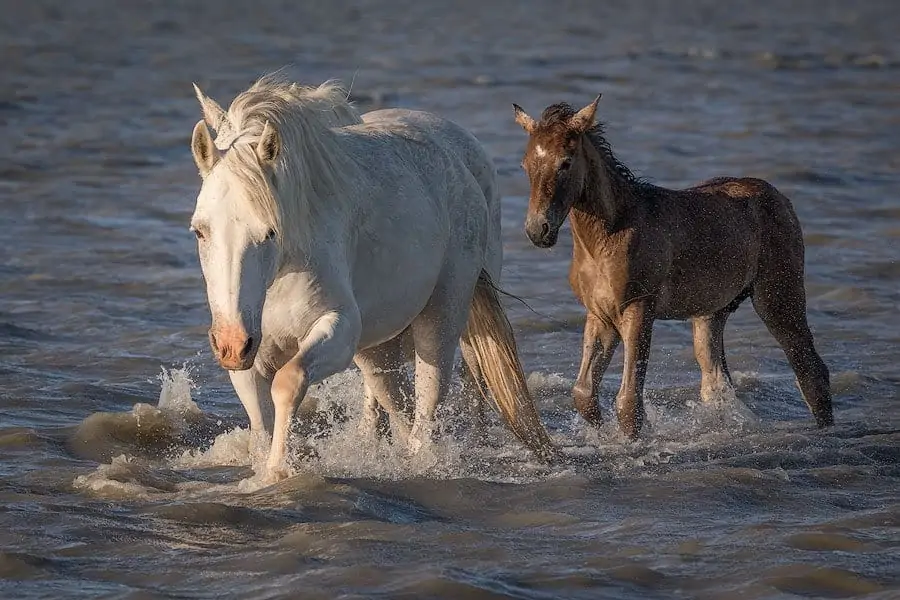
<point>198,233</point>
<point>270,235</point>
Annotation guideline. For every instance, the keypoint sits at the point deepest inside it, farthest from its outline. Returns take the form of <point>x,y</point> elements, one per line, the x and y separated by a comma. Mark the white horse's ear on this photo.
<point>523,119</point>
<point>584,118</point>
<point>212,112</point>
<point>206,155</point>
<point>269,145</point>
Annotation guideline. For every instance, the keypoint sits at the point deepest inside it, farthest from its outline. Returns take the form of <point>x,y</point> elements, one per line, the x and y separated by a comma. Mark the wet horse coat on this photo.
<point>643,252</point>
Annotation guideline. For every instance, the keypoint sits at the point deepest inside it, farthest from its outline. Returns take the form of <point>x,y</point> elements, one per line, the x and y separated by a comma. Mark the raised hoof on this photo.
<point>587,406</point>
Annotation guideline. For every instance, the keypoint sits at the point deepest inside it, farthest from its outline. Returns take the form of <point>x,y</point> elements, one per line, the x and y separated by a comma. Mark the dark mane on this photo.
<point>595,135</point>
<point>558,115</point>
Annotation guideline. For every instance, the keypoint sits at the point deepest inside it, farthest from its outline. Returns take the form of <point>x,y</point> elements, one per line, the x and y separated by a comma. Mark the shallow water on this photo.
<point>119,481</point>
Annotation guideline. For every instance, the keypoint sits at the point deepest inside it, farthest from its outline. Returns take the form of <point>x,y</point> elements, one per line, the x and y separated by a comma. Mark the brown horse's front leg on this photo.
<point>636,329</point>
<point>600,342</point>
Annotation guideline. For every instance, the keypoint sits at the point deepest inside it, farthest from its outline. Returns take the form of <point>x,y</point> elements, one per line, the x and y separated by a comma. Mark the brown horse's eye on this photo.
<point>565,164</point>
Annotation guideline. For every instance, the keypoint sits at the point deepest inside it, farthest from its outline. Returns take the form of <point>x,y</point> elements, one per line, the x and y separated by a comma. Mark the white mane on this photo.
<point>310,167</point>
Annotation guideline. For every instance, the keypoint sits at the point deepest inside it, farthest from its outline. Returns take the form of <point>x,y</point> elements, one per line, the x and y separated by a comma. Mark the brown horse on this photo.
<point>643,252</point>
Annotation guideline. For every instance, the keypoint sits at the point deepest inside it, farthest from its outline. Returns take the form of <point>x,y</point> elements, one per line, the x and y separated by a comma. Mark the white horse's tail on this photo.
<point>490,337</point>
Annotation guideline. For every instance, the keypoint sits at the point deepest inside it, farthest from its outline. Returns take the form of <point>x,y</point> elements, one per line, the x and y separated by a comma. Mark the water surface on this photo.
<point>117,481</point>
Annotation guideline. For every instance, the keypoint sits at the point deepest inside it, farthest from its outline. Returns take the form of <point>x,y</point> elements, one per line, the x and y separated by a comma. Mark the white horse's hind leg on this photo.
<point>368,423</point>
<point>254,391</point>
<point>386,385</point>
<point>436,332</point>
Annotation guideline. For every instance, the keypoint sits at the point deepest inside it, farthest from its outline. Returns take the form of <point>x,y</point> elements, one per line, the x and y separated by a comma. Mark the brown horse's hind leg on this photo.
<point>600,342</point>
<point>636,329</point>
<point>709,350</point>
<point>783,310</point>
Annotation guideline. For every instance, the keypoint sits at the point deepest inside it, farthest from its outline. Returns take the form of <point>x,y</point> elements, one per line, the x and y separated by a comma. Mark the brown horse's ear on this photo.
<point>523,119</point>
<point>269,145</point>
<point>212,112</point>
<point>206,155</point>
<point>584,118</point>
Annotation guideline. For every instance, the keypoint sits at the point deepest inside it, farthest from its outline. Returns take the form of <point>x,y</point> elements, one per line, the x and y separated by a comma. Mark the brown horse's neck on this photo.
<point>609,192</point>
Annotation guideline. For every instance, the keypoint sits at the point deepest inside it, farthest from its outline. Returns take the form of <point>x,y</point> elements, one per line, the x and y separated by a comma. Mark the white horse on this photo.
<point>325,240</point>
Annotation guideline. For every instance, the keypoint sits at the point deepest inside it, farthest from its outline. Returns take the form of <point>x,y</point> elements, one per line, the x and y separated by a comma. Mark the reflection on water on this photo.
<point>115,482</point>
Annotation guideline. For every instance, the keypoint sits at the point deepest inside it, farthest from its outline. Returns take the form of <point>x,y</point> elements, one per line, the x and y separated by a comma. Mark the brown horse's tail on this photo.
<point>490,336</point>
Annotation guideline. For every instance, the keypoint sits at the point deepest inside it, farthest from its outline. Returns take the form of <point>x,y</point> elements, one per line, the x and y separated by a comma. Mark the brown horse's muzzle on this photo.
<point>541,231</point>
<point>232,347</point>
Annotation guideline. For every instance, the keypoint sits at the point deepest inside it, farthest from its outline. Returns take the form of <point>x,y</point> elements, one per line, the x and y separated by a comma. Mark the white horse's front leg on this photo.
<point>327,349</point>
<point>255,392</point>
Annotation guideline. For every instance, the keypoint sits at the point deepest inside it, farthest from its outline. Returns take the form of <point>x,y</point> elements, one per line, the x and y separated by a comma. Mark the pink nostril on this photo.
<point>246,349</point>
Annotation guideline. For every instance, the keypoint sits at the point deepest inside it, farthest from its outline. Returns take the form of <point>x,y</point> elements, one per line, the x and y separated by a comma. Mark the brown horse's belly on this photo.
<point>685,297</point>
<point>710,271</point>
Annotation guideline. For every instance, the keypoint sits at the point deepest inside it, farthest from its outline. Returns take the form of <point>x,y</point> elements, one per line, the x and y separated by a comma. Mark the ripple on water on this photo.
<point>823,582</point>
<point>828,542</point>
<point>18,566</point>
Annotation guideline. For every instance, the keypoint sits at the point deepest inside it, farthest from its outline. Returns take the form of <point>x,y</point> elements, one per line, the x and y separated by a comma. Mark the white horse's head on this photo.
<point>247,198</point>
<point>238,249</point>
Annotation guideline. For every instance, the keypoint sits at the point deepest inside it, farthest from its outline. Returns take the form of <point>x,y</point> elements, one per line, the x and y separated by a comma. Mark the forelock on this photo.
<point>556,114</point>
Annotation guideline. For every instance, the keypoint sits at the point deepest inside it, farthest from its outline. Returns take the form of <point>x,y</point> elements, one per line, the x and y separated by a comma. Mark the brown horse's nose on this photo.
<point>231,346</point>
<point>538,230</point>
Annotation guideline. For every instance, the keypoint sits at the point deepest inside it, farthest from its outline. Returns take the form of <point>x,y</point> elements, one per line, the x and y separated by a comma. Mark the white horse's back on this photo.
<point>473,154</point>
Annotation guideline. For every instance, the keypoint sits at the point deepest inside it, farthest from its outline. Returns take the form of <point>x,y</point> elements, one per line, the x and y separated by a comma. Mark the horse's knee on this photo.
<point>287,386</point>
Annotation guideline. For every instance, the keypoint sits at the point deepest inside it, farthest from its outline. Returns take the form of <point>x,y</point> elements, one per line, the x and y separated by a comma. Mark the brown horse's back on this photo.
<point>722,235</point>
<point>778,232</point>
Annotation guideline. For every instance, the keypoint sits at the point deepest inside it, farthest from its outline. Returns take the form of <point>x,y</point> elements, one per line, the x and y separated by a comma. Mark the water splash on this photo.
<point>328,439</point>
<point>175,391</point>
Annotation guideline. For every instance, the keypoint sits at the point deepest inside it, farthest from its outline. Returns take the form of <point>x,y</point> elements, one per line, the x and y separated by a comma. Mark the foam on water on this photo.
<point>234,448</point>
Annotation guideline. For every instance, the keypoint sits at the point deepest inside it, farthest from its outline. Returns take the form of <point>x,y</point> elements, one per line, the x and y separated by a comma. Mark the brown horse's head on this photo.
<point>556,166</point>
